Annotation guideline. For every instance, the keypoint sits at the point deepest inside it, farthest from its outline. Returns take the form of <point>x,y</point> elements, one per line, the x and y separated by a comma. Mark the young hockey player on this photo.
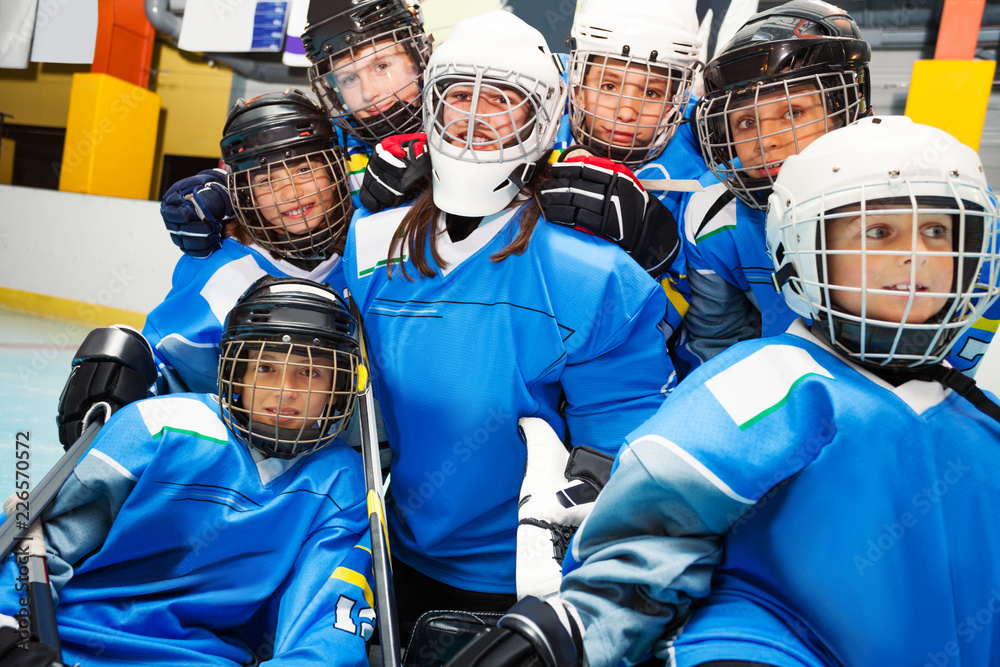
<point>288,190</point>
<point>811,498</point>
<point>478,313</point>
<point>368,57</point>
<point>765,99</point>
<point>288,187</point>
<point>229,529</point>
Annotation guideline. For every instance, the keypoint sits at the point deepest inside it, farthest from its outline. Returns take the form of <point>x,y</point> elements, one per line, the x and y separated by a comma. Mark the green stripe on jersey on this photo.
<point>183,415</point>
<point>754,387</point>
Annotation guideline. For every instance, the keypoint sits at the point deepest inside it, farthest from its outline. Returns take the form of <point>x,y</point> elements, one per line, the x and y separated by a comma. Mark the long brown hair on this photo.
<point>419,223</point>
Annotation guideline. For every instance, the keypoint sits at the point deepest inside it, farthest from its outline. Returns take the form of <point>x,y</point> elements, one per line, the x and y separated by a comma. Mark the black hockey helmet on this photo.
<point>273,127</point>
<point>790,40</point>
<point>339,29</point>
<point>281,155</point>
<point>800,44</point>
<point>289,366</point>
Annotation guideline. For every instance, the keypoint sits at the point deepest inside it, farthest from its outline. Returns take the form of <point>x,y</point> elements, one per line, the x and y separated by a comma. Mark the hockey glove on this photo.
<point>114,366</point>
<point>195,210</point>
<point>601,197</point>
<point>557,493</point>
<point>16,650</point>
<point>532,633</point>
<point>395,170</point>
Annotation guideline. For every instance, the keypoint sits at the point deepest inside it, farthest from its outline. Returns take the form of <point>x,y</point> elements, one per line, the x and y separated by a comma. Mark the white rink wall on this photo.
<point>116,253</point>
<point>106,251</point>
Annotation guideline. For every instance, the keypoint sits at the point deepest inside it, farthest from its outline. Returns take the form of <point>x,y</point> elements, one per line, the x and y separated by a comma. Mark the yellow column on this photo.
<point>110,143</point>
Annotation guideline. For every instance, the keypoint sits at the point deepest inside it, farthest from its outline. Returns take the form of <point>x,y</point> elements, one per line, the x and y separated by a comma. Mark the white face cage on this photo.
<point>286,399</point>
<point>919,270</point>
<point>747,135</point>
<point>372,89</point>
<point>625,108</point>
<point>296,208</point>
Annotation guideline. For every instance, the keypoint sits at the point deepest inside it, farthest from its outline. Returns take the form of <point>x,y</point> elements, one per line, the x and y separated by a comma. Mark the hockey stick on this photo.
<point>385,598</point>
<point>31,555</point>
<point>40,497</point>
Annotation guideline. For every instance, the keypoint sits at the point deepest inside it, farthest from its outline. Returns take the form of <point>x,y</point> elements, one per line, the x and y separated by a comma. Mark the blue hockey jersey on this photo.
<point>458,358</point>
<point>172,543</point>
<point>186,328</point>
<point>808,513</point>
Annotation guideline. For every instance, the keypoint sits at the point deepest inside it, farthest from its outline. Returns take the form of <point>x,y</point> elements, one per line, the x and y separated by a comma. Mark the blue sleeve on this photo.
<point>648,550</point>
<point>721,311</point>
<point>326,612</point>
<point>185,329</point>
<point>621,383</point>
<point>970,347</point>
<point>82,513</point>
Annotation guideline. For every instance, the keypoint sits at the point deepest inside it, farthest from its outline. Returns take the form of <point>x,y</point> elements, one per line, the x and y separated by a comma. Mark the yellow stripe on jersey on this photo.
<point>986,324</point>
<point>677,299</point>
<point>357,579</point>
<point>754,387</point>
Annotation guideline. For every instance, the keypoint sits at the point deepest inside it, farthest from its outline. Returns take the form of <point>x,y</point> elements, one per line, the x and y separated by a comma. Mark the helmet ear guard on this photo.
<point>288,368</point>
<point>880,177</point>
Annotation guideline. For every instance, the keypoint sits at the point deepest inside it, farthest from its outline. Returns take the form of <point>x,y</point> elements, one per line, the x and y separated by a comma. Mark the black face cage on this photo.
<point>843,94</point>
<point>874,342</point>
<point>649,139</point>
<point>286,399</point>
<point>402,117</point>
<point>296,208</point>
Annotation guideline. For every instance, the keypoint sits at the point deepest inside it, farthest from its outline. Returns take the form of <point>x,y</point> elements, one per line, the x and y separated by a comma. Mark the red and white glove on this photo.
<point>395,170</point>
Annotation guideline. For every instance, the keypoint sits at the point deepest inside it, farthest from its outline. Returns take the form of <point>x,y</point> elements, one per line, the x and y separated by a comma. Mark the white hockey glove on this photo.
<point>557,493</point>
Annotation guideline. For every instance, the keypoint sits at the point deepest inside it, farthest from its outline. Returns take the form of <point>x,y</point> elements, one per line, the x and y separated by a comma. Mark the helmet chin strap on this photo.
<point>948,377</point>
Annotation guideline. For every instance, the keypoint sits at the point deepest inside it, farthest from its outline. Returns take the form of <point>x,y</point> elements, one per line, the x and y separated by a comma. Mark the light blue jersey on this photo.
<point>566,331</point>
<point>173,543</point>
<point>809,513</point>
<point>186,328</point>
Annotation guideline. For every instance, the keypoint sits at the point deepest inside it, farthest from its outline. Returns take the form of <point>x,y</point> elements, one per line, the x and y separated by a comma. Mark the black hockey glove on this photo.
<point>195,210</point>
<point>557,494</point>
<point>604,198</point>
<point>395,171</point>
<point>19,651</point>
<point>532,633</point>
<point>113,365</point>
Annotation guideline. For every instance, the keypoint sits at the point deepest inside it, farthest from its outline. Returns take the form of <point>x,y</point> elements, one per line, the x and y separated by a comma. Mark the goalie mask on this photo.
<point>492,104</point>
<point>287,180</point>
<point>790,75</point>
<point>288,371</point>
<point>630,73</point>
<point>367,58</point>
<point>884,233</point>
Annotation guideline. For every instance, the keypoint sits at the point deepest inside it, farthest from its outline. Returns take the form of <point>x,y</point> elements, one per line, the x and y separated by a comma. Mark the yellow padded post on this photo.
<point>951,95</point>
<point>110,137</point>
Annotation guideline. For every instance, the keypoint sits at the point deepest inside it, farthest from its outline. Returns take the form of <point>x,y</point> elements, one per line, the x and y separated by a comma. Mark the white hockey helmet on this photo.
<point>649,38</point>
<point>493,101</point>
<point>874,168</point>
